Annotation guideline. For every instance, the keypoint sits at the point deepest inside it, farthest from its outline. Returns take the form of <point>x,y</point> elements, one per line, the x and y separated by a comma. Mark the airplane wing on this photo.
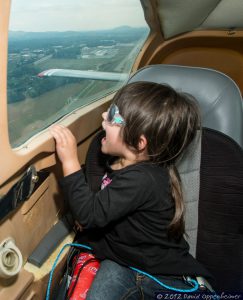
<point>88,74</point>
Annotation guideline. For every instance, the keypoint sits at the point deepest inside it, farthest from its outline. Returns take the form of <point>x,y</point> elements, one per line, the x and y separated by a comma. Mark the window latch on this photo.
<point>21,190</point>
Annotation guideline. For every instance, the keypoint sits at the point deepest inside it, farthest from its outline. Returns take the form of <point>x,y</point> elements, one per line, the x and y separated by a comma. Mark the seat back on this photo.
<point>218,96</point>
<point>220,222</point>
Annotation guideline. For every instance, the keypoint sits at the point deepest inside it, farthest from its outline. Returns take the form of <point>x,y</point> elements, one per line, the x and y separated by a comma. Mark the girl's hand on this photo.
<point>66,147</point>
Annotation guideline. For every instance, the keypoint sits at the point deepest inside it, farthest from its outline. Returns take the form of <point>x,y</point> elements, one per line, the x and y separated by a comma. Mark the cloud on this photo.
<point>63,15</point>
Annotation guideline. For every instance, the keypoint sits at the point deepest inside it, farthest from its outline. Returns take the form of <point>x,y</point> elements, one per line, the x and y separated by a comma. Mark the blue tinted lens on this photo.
<point>111,113</point>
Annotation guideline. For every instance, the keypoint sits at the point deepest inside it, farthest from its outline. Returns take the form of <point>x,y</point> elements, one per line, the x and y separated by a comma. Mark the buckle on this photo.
<point>204,285</point>
<point>188,280</point>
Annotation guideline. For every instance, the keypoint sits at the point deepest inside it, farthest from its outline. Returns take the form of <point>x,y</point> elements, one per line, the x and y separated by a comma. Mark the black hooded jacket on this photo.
<point>127,221</point>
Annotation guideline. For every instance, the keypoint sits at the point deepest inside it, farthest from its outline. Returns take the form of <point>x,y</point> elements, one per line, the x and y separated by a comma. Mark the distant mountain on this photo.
<point>24,35</point>
<point>126,28</point>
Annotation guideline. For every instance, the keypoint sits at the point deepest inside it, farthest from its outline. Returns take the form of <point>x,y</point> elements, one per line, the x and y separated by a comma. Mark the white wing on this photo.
<point>93,75</point>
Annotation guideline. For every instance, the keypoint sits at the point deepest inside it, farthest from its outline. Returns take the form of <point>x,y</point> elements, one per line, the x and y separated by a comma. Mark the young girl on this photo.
<point>137,216</point>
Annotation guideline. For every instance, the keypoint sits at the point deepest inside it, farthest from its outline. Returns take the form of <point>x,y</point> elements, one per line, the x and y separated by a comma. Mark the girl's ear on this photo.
<point>142,144</point>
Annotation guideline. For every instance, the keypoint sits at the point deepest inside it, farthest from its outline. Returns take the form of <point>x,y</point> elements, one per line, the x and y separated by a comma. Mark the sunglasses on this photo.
<point>113,115</point>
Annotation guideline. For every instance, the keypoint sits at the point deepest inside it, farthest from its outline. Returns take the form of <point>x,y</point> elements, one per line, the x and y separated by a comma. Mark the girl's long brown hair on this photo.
<point>169,121</point>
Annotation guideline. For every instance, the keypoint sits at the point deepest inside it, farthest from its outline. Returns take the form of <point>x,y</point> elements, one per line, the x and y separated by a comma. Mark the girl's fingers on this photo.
<point>65,132</point>
<point>56,136</point>
<point>66,148</point>
<point>68,135</point>
<point>60,134</point>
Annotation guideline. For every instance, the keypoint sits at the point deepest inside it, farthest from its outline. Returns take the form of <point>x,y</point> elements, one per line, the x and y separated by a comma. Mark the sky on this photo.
<point>77,15</point>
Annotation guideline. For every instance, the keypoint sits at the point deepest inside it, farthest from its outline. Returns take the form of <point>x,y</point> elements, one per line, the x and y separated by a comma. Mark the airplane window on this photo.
<point>64,54</point>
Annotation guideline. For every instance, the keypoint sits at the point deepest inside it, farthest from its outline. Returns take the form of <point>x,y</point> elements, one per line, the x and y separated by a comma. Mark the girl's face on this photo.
<point>112,143</point>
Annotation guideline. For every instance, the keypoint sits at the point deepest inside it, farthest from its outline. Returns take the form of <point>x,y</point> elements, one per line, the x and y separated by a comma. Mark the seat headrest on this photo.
<point>218,96</point>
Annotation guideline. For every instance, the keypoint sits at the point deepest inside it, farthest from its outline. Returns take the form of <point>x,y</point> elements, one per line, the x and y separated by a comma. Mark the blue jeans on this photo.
<point>116,282</point>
